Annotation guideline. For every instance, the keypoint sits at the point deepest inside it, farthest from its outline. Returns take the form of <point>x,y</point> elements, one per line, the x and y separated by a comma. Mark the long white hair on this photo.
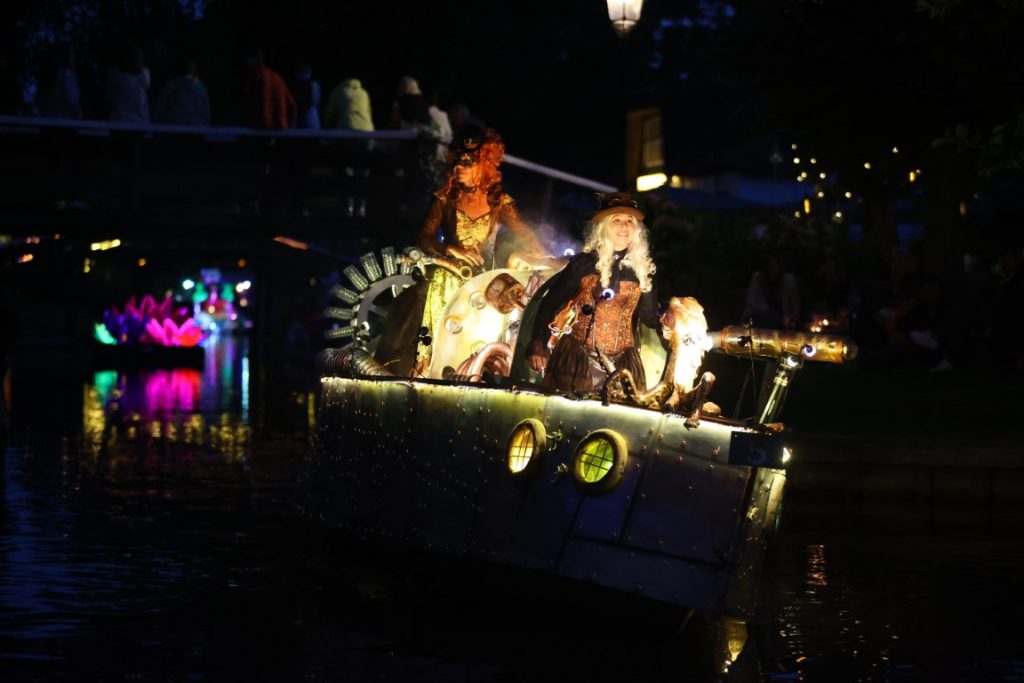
<point>637,257</point>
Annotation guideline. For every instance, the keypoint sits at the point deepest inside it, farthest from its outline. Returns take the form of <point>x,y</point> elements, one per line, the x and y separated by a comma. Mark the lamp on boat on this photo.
<point>624,14</point>
<point>600,461</point>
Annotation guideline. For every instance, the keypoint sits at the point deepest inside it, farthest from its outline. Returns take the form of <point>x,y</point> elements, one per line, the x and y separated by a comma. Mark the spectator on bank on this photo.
<point>348,107</point>
<point>60,96</point>
<point>184,100</point>
<point>830,297</point>
<point>773,298</point>
<point>266,101</point>
<point>989,307</point>
<point>306,92</point>
<point>126,88</point>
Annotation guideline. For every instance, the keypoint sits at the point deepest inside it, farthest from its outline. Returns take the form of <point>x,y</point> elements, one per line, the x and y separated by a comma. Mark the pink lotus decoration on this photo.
<point>168,333</point>
<point>145,321</point>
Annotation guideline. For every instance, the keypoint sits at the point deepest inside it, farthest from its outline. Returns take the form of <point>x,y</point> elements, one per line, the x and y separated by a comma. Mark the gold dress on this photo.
<point>472,234</point>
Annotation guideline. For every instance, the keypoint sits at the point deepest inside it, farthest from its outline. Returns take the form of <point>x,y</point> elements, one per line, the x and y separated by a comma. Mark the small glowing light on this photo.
<point>243,302</point>
<point>569,252</point>
<point>847,194</point>
<point>650,181</point>
<point>918,172</point>
<point>187,284</point>
<point>675,181</point>
<point>912,176</point>
<point>807,205</point>
<point>32,240</point>
<point>25,258</point>
<point>797,214</point>
<point>822,175</point>
<point>87,266</point>
<point>142,262</point>
<point>838,214</point>
<point>793,146</point>
<point>820,194</point>
<point>241,263</point>
<point>234,316</point>
<point>104,245</point>
<point>895,150</point>
<point>867,165</point>
<point>796,160</point>
<point>813,160</point>
<point>963,208</point>
<point>211,309</point>
<point>243,286</point>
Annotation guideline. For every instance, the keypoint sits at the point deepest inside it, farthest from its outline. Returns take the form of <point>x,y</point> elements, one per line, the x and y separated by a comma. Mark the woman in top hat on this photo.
<point>462,225</point>
<point>606,291</point>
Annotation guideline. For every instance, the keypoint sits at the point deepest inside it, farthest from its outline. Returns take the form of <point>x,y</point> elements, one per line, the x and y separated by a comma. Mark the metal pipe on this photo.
<point>737,340</point>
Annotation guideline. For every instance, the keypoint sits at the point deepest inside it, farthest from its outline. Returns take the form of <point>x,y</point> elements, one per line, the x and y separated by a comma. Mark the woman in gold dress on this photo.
<point>461,226</point>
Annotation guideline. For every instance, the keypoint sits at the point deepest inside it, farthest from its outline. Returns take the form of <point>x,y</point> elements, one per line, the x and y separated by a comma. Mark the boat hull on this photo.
<point>424,463</point>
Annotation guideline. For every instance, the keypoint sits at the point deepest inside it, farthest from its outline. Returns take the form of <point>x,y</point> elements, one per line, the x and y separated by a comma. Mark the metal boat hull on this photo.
<point>424,463</point>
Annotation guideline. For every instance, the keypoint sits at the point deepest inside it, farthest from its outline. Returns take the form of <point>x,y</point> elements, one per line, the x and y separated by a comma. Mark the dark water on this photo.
<point>148,532</point>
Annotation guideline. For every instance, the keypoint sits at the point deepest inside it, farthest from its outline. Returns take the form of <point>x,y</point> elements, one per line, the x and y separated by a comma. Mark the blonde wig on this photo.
<point>637,256</point>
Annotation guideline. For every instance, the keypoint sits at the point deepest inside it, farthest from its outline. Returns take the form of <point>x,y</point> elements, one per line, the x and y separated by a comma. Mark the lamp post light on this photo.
<point>624,14</point>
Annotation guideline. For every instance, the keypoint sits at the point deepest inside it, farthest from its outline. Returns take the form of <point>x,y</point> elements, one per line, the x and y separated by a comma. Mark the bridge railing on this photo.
<point>60,174</point>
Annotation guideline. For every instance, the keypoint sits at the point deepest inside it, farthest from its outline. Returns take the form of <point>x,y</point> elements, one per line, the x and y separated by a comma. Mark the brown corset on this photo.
<point>611,329</point>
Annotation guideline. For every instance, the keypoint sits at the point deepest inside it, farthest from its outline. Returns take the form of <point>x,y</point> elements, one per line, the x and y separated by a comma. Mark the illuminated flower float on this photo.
<point>145,322</point>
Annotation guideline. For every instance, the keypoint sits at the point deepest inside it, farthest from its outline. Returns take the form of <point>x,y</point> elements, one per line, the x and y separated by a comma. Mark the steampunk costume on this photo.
<point>606,320</point>
<point>423,305</point>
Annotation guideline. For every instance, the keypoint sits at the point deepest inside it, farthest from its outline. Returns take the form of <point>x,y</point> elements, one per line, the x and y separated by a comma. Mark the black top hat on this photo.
<point>618,202</point>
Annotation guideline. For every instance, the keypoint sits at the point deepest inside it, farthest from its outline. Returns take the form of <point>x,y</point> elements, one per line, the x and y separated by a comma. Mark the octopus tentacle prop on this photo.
<point>684,327</point>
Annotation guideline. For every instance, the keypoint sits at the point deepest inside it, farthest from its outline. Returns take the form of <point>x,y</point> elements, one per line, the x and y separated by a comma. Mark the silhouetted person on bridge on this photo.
<point>266,101</point>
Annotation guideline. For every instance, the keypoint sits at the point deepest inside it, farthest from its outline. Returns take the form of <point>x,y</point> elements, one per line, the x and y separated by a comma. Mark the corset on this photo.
<point>611,329</point>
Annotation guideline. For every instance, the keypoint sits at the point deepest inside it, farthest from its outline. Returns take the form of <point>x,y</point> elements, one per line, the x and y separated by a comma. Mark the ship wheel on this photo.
<point>359,319</point>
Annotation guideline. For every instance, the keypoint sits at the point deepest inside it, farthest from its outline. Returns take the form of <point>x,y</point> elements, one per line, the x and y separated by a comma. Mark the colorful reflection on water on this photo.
<point>206,407</point>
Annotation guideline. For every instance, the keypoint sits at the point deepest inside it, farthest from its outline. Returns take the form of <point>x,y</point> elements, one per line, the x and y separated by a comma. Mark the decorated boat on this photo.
<point>648,490</point>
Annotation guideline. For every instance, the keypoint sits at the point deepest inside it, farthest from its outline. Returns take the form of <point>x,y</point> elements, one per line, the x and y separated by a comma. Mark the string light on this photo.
<point>796,160</point>
<point>807,206</point>
<point>813,160</point>
<point>847,194</point>
<point>895,150</point>
<point>867,165</point>
<point>822,176</point>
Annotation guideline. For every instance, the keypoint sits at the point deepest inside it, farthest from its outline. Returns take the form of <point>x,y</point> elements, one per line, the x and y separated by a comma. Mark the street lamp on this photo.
<point>624,14</point>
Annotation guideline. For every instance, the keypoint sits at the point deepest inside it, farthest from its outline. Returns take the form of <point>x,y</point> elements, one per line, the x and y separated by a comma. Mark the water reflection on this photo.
<point>207,408</point>
<point>161,543</point>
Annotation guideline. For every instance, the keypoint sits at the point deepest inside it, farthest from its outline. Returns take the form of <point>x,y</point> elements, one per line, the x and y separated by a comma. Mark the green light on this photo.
<point>103,335</point>
<point>595,460</point>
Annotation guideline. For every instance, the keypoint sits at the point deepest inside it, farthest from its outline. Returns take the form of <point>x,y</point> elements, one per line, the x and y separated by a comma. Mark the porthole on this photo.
<point>525,446</point>
<point>599,462</point>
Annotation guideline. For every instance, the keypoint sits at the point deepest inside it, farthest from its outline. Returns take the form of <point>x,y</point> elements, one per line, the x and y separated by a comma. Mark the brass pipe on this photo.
<point>737,340</point>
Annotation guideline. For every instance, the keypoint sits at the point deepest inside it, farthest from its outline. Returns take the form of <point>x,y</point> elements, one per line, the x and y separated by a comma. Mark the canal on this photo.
<point>149,532</point>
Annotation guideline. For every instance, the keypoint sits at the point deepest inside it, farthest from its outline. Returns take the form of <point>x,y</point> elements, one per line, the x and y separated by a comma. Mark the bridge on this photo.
<point>92,179</point>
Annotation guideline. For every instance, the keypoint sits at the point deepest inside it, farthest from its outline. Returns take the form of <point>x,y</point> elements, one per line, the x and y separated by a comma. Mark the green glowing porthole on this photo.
<point>525,446</point>
<point>600,460</point>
